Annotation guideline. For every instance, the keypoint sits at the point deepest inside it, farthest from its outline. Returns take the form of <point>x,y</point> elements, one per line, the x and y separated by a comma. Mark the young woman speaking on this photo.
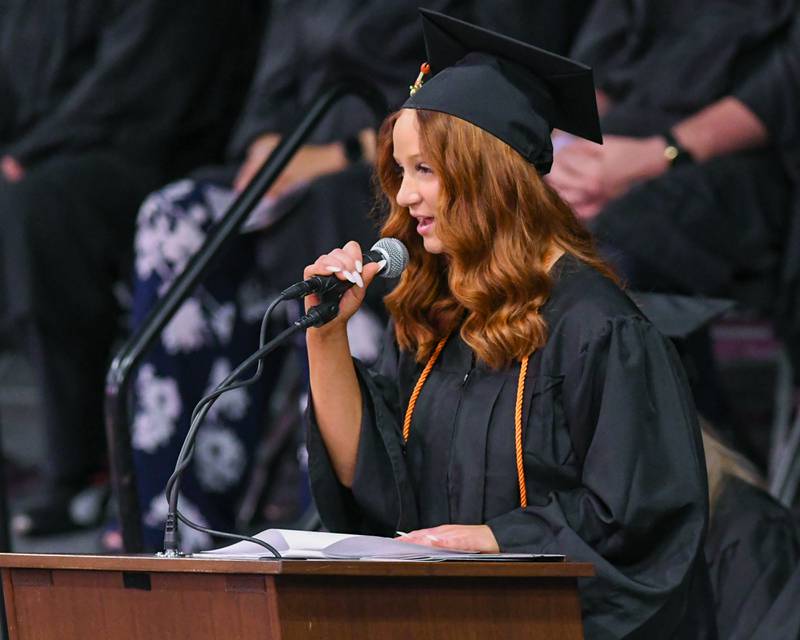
<point>522,402</point>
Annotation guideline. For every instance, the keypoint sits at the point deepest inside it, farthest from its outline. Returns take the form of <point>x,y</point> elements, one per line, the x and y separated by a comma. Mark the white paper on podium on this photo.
<point>293,544</point>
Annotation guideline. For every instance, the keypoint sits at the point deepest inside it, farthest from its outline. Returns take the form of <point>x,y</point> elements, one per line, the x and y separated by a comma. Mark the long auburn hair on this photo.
<point>497,220</point>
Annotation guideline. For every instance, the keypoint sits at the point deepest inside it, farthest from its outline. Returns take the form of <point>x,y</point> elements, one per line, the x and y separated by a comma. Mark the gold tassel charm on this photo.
<point>424,69</point>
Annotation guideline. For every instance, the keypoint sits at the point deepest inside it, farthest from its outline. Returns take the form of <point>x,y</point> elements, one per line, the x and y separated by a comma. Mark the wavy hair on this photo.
<point>497,221</point>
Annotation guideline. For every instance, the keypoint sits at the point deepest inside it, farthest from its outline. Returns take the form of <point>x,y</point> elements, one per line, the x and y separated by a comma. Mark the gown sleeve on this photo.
<point>772,91</point>
<point>640,512</point>
<point>381,499</point>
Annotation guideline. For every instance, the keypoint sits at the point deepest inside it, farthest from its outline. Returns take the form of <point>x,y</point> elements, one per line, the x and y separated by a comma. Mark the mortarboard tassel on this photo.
<point>424,69</point>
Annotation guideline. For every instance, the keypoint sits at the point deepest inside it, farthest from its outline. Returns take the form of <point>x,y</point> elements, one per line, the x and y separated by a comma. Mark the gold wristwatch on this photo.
<point>674,153</point>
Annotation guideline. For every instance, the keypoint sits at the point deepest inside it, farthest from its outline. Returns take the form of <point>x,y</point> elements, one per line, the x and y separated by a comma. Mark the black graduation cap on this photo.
<point>513,90</point>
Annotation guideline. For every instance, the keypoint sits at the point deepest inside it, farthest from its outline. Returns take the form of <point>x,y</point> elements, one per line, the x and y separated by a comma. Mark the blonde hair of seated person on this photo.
<point>723,462</point>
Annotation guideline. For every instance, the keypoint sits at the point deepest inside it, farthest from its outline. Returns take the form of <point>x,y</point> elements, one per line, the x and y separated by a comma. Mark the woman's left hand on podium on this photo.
<point>475,538</point>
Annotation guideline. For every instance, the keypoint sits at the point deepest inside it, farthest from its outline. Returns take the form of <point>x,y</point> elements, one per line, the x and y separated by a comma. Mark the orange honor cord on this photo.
<point>523,493</point>
<point>412,401</point>
<point>523,371</point>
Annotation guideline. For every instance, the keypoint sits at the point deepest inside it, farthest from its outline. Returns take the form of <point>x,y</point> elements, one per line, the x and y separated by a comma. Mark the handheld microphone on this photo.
<point>331,288</point>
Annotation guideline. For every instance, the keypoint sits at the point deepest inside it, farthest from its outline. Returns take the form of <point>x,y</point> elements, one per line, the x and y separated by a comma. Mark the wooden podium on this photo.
<point>78,597</point>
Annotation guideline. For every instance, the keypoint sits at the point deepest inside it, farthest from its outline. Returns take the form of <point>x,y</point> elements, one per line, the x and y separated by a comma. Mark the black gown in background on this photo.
<point>752,549</point>
<point>613,460</point>
<point>782,622</point>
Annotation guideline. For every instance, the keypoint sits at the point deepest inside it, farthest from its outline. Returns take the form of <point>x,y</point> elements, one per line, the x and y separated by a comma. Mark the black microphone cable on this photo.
<point>316,316</point>
<point>172,488</point>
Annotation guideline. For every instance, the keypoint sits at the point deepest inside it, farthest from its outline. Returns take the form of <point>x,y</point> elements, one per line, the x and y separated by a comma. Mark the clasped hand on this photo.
<point>587,175</point>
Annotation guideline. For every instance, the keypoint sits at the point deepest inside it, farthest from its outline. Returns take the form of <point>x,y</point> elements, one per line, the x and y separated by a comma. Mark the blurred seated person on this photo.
<point>547,24</point>
<point>101,101</point>
<point>693,190</point>
<point>323,196</point>
<point>753,543</point>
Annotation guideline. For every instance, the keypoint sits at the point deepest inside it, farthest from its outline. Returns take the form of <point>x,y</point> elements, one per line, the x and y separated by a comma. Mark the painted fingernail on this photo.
<point>333,269</point>
<point>359,280</point>
<point>350,276</point>
<point>359,266</point>
<point>381,264</point>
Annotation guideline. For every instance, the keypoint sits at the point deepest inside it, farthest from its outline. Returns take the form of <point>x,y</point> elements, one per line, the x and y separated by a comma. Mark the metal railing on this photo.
<point>118,379</point>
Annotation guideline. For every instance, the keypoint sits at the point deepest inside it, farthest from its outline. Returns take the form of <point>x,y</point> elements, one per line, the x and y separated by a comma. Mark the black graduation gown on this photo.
<point>752,548</point>
<point>782,622</point>
<point>613,460</point>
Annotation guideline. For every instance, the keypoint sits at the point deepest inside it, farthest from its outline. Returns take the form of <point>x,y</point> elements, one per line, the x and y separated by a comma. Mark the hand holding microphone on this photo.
<point>343,275</point>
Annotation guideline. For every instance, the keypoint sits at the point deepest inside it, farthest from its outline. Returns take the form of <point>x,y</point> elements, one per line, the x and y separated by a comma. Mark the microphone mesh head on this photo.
<point>395,254</point>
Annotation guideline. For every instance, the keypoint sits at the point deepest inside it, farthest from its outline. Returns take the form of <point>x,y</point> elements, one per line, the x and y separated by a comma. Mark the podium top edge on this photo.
<point>152,563</point>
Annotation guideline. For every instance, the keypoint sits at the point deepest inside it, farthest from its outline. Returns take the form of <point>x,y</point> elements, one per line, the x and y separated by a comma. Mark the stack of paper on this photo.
<point>345,546</point>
